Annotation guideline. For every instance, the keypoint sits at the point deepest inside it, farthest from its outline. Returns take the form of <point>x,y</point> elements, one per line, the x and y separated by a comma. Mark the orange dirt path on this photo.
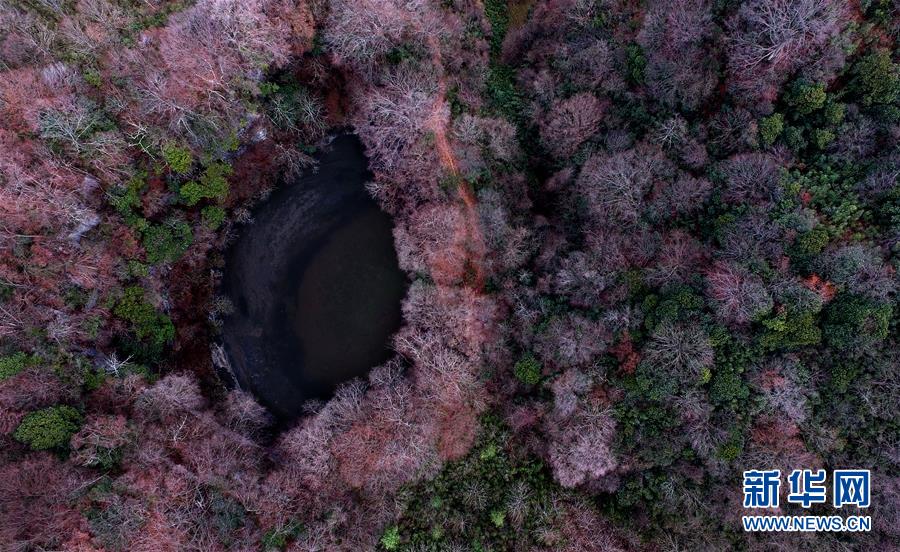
<point>473,237</point>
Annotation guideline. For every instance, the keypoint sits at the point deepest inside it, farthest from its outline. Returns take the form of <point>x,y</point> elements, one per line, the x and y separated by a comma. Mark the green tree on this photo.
<point>11,365</point>
<point>167,242</point>
<point>833,113</point>
<point>128,197</point>
<point>497,13</point>
<point>635,63</point>
<point>502,94</point>
<point>809,244</point>
<point>876,78</point>
<point>498,518</point>
<point>528,370</point>
<point>789,330</point>
<point>770,128</point>
<point>178,158</point>
<point>390,540</point>
<point>832,191</point>
<point>821,137</point>
<point>805,97</point>
<point>212,184</point>
<point>852,320</point>
<point>733,356</point>
<point>48,428</point>
<point>213,216</point>
<point>148,325</point>
<point>793,137</point>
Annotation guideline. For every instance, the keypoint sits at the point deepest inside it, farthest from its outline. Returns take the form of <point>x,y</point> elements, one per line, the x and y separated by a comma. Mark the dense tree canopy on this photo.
<point>650,244</point>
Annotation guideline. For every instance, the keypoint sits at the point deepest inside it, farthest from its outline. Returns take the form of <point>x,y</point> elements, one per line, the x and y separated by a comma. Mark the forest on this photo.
<point>650,244</point>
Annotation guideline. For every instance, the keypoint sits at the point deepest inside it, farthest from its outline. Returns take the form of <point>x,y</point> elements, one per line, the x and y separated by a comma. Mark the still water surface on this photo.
<point>315,284</point>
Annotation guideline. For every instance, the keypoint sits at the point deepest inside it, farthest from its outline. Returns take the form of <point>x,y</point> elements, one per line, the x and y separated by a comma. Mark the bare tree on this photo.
<point>680,351</point>
<point>739,296</point>
<point>571,122</point>
<point>615,184</point>
<point>769,39</point>
<point>679,71</point>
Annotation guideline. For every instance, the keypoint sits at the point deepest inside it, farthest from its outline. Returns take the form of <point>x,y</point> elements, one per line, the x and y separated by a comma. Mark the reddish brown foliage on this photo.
<point>35,501</point>
<point>626,355</point>
<point>458,429</point>
<point>824,288</point>
<point>776,441</point>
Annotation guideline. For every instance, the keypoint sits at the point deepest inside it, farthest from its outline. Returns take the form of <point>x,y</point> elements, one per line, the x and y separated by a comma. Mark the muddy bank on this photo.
<point>315,285</point>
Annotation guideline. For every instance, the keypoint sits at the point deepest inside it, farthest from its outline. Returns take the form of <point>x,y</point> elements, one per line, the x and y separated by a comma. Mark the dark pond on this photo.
<point>315,285</point>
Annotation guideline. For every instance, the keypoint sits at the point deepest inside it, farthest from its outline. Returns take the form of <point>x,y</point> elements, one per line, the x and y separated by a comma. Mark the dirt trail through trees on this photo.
<point>473,237</point>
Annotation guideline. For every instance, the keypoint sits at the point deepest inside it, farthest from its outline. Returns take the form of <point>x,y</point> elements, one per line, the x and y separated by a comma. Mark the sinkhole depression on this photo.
<point>315,284</point>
